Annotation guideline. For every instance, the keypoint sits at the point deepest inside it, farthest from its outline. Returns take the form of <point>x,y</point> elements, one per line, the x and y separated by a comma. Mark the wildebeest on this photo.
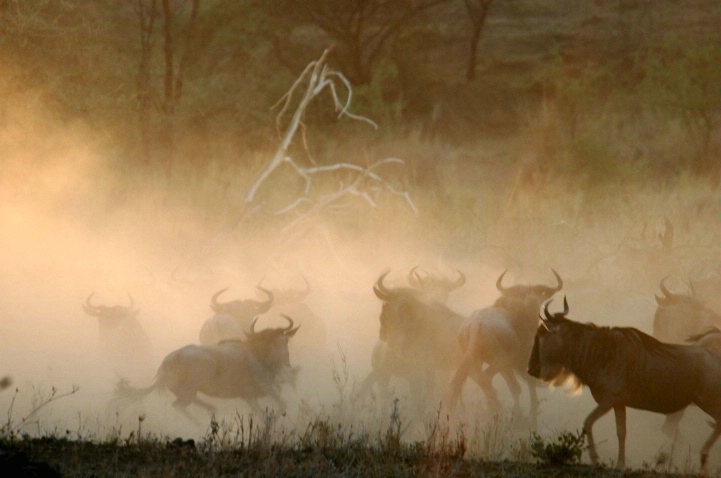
<point>5,382</point>
<point>248,369</point>
<point>232,319</point>
<point>434,288</point>
<point>416,340</point>
<point>624,367</point>
<point>293,302</point>
<point>122,338</point>
<point>677,316</point>
<point>498,339</point>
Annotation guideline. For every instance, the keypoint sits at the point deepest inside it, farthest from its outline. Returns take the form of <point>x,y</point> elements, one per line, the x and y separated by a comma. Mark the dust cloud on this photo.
<point>70,228</point>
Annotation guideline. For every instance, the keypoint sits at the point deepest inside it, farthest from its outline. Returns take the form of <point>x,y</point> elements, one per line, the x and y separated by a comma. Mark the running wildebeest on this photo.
<point>624,367</point>
<point>122,338</point>
<point>677,317</point>
<point>416,341</point>
<point>434,288</point>
<point>249,369</point>
<point>498,339</point>
<point>232,319</point>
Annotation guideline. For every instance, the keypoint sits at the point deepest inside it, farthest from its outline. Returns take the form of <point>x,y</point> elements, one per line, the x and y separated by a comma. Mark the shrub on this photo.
<point>566,449</point>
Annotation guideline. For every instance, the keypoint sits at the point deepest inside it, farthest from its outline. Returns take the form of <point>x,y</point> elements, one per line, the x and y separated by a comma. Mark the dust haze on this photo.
<point>71,226</point>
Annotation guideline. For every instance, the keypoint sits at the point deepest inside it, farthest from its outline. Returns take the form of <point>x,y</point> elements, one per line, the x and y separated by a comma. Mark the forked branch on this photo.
<point>316,78</point>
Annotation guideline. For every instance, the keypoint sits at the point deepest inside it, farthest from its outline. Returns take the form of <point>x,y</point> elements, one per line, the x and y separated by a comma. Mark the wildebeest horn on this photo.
<point>290,322</point>
<point>414,278</point>
<point>307,290</point>
<point>692,289</point>
<point>132,302</point>
<point>214,300</point>
<point>559,314</point>
<point>89,308</point>
<point>545,309</point>
<point>667,293</point>
<point>380,290</point>
<point>252,326</point>
<point>461,280</point>
<point>559,281</point>
<point>265,305</point>
<point>499,286</point>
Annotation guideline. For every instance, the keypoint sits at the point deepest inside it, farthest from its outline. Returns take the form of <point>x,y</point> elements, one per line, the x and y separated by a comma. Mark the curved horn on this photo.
<point>461,280</point>
<point>214,300</point>
<point>380,290</point>
<point>265,305</point>
<point>692,289</point>
<point>307,290</point>
<point>415,279</point>
<point>666,292</point>
<point>559,281</point>
<point>290,322</point>
<point>89,308</point>
<point>545,309</point>
<point>252,326</point>
<point>499,286</point>
<point>565,306</point>
<point>132,302</point>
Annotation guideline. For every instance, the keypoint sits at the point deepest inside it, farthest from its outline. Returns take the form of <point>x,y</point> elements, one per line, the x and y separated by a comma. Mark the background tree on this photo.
<point>360,28</point>
<point>477,13</point>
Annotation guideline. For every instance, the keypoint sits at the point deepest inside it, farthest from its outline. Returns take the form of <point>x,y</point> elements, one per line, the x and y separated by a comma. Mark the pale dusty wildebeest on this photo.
<point>122,338</point>
<point>416,341</point>
<point>435,288</point>
<point>5,382</point>
<point>248,369</point>
<point>678,316</point>
<point>498,339</point>
<point>232,319</point>
<point>624,367</point>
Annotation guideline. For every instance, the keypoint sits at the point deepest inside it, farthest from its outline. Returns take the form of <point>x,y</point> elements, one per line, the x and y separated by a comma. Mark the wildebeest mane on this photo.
<point>610,347</point>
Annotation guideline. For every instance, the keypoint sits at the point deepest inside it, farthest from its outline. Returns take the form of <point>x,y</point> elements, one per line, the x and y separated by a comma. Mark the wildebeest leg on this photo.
<point>514,387</point>
<point>670,424</point>
<point>597,413</point>
<point>620,412</point>
<point>484,379</point>
<point>533,398</point>
<point>459,379</point>
<point>709,443</point>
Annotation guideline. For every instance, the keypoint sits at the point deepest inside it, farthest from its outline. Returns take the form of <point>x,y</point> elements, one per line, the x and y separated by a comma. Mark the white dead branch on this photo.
<point>316,78</point>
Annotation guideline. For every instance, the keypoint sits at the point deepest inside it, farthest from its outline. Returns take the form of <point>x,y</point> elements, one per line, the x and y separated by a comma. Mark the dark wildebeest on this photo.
<point>678,316</point>
<point>498,339</point>
<point>232,319</point>
<point>417,339</point>
<point>623,367</point>
<point>122,338</point>
<point>248,369</point>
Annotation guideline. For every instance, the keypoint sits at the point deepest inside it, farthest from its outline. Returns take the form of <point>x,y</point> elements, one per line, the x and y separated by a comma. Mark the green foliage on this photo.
<point>566,449</point>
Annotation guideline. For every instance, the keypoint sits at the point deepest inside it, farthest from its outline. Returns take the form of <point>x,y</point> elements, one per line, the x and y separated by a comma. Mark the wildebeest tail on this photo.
<point>124,392</point>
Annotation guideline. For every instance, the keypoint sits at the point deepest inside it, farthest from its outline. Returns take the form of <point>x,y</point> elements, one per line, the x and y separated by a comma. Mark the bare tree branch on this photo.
<point>363,180</point>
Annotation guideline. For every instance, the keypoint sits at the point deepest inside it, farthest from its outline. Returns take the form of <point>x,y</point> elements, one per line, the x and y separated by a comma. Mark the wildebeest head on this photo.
<point>538,293</point>
<point>110,317</point>
<point>435,287</point>
<point>670,298</point>
<point>549,347</point>
<point>270,346</point>
<point>241,309</point>
<point>677,315</point>
<point>288,296</point>
<point>396,311</point>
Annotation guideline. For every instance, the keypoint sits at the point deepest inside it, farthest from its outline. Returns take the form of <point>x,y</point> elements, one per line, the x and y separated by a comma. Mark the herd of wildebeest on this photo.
<point>434,349</point>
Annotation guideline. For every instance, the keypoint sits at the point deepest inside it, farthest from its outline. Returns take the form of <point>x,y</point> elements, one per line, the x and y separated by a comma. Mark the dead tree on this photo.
<point>361,181</point>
